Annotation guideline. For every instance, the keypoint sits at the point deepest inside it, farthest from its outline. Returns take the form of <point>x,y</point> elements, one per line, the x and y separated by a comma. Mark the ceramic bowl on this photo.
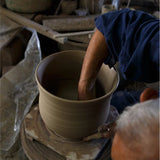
<point>57,77</point>
<point>29,6</point>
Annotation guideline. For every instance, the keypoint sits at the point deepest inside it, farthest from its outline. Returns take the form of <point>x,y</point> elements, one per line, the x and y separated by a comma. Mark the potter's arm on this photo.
<point>130,37</point>
<point>96,53</point>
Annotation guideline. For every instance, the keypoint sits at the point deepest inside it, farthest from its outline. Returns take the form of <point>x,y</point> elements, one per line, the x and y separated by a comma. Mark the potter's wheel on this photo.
<point>39,143</point>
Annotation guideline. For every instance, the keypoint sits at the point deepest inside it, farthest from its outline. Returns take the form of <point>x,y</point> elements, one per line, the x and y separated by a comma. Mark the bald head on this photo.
<point>137,133</point>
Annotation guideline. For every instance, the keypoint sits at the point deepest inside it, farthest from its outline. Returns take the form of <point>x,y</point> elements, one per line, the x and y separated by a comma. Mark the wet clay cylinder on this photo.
<point>57,77</point>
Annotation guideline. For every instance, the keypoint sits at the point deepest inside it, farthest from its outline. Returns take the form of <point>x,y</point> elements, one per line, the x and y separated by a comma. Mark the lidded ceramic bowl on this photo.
<point>57,76</point>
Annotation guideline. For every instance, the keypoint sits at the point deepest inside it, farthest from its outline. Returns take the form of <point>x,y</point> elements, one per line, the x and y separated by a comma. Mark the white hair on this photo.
<point>138,127</point>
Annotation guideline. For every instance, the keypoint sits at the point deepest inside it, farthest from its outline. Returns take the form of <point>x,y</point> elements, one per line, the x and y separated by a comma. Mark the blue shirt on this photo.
<point>132,38</point>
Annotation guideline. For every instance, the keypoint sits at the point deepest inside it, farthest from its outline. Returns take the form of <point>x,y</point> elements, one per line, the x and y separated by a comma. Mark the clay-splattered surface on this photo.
<point>35,128</point>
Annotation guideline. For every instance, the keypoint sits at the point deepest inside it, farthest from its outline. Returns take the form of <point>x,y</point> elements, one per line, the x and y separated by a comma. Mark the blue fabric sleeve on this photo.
<point>133,39</point>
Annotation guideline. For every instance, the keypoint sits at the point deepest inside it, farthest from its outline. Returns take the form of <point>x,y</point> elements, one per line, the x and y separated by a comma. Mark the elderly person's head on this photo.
<point>137,133</point>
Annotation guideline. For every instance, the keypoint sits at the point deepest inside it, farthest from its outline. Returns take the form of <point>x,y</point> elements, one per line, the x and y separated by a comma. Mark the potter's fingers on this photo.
<point>107,131</point>
<point>107,134</point>
<point>85,96</point>
<point>93,136</point>
<point>107,126</point>
<point>86,89</point>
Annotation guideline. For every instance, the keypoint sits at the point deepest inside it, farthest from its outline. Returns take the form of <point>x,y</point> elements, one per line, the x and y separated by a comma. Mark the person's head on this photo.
<point>137,133</point>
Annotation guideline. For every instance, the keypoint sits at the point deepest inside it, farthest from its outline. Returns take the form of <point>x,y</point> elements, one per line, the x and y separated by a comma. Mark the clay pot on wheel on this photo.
<point>57,76</point>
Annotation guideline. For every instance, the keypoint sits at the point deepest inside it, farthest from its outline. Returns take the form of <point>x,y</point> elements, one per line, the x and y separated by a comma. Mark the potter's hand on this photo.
<point>85,90</point>
<point>107,131</point>
<point>96,53</point>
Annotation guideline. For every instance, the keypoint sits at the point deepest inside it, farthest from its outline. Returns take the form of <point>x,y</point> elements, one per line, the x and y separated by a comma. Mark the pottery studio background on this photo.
<point>31,30</point>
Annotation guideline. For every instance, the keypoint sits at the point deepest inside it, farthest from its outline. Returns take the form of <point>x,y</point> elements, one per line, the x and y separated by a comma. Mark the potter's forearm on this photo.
<point>96,53</point>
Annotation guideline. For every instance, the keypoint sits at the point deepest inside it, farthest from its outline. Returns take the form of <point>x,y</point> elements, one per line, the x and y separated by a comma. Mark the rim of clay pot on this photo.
<point>69,100</point>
